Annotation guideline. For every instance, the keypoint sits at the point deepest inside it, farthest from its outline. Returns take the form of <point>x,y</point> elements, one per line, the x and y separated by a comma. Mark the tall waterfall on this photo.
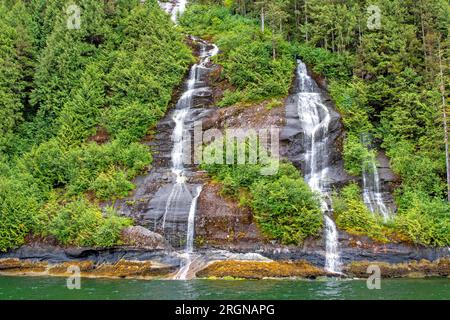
<point>183,272</point>
<point>372,194</point>
<point>176,201</point>
<point>174,8</point>
<point>315,119</point>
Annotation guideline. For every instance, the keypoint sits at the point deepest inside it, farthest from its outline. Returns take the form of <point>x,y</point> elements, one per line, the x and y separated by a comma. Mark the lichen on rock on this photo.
<point>261,270</point>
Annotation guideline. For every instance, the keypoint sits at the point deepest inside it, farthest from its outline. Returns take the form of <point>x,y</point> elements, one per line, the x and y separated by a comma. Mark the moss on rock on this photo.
<point>413,269</point>
<point>260,270</point>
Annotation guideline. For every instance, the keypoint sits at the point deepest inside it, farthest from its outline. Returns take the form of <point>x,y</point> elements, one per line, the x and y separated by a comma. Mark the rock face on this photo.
<point>295,150</point>
<point>220,221</point>
<point>388,180</point>
<point>143,238</point>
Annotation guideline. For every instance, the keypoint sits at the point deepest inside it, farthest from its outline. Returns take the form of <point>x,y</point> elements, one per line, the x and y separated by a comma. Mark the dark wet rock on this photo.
<point>87,268</point>
<point>351,248</point>
<point>388,180</point>
<point>143,238</point>
<point>412,269</point>
<point>292,137</point>
<point>58,254</point>
<point>223,221</point>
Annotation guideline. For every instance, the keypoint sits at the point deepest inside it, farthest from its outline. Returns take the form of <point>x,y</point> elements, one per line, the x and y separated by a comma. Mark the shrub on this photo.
<point>286,209</point>
<point>356,155</point>
<point>111,184</point>
<point>425,221</point>
<point>246,53</point>
<point>354,217</point>
<point>284,206</point>
<point>17,207</point>
<point>130,122</point>
<point>82,223</point>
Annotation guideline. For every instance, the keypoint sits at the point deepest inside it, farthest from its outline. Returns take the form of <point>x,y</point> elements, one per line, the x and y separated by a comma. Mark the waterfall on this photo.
<point>183,272</point>
<point>315,119</point>
<point>176,201</point>
<point>372,195</point>
<point>174,8</point>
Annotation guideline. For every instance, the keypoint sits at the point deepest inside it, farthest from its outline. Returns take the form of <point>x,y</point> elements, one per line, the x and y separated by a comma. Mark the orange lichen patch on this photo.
<point>63,269</point>
<point>13,265</point>
<point>260,270</point>
<point>125,269</point>
<point>423,268</point>
<point>121,269</point>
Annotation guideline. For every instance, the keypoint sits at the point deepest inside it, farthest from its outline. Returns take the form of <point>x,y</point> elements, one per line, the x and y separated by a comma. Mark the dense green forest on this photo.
<point>388,82</point>
<point>76,102</point>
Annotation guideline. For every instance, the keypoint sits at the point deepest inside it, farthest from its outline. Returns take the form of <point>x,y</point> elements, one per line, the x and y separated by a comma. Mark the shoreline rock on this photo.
<point>268,261</point>
<point>413,269</point>
<point>123,269</point>
<point>261,270</point>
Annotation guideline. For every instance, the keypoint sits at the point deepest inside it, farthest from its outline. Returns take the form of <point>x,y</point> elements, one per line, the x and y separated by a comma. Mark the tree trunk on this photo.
<point>444,112</point>
<point>262,19</point>
<point>306,21</point>
<point>423,37</point>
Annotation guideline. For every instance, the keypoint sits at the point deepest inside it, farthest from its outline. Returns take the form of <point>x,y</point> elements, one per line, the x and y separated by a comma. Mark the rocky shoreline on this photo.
<point>251,262</point>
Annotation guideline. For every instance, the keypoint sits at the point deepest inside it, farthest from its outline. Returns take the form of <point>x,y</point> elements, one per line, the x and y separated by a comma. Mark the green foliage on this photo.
<point>354,217</point>
<point>85,167</point>
<point>16,211</point>
<point>355,155</point>
<point>258,65</point>
<point>284,206</point>
<point>131,122</point>
<point>58,88</point>
<point>111,184</point>
<point>419,220</point>
<point>81,223</point>
<point>286,209</point>
<point>16,64</point>
<point>80,116</point>
<point>425,221</point>
<point>324,62</point>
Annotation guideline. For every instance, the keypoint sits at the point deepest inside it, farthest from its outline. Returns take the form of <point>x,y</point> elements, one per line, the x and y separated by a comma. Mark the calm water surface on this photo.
<point>55,288</point>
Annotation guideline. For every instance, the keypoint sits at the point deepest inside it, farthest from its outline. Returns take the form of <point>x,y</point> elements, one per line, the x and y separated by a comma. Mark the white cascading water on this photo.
<point>183,272</point>
<point>194,85</point>
<point>315,118</point>
<point>174,8</point>
<point>184,105</point>
<point>372,195</point>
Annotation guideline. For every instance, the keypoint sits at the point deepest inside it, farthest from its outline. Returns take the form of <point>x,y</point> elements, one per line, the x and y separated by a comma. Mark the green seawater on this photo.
<point>103,289</point>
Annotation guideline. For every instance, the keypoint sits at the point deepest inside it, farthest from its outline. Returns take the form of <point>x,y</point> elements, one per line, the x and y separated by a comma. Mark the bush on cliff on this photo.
<point>286,209</point>
<point>353,216</point>
<point>284,206</point>
<point>83,224</point>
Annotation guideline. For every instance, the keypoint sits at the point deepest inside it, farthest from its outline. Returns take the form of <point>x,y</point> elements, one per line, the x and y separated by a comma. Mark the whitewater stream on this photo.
<point>182,194</point>
<point>315,120</point>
